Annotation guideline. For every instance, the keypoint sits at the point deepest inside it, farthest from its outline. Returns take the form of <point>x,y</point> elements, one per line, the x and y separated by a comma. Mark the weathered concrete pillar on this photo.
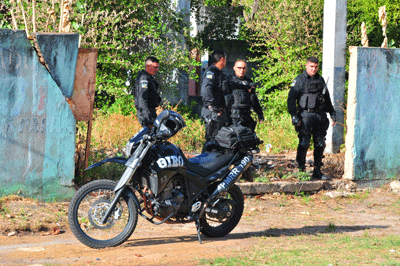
<point>333,66</point>
<point>373,114</point>
<point>37,126</point>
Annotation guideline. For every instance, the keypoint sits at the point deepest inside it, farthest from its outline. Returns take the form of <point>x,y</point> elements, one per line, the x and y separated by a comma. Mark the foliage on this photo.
<point>185,110</point>
<point>125,33</point>
<point>282,35</point>
<point>276,104</point>
<point>277,128</point>
<point>43,19</point>
<point>111,131</point>
<point>359,11</point>
<point>301,176</point>
<point>278,132</point>
<point>122,105</point>
<point>220,24</point>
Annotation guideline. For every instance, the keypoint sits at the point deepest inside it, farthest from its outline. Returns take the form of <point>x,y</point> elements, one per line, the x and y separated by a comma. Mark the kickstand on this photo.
<point>198,230</point>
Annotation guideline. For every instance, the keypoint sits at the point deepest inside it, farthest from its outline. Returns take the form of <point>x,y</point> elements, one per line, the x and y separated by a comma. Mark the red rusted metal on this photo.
<point>84,85</point>
<point>82,100</point>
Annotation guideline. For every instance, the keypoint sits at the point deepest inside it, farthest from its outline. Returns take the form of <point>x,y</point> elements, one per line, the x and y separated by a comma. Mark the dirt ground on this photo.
<point>34,233</point>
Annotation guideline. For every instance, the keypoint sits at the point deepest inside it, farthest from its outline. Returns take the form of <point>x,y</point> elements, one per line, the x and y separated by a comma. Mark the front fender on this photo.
<point>120,160</point>
<point>130,193</point>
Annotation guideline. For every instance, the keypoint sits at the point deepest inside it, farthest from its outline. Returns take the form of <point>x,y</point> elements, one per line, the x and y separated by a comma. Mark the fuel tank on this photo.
<point>167,162</point>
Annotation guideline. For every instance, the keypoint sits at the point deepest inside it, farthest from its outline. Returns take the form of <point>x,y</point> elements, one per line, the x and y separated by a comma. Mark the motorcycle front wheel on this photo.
<point>87,208</point>
<point>214,224</point>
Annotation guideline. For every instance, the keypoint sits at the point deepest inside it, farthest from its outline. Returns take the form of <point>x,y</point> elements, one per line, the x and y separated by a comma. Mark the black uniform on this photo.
<point>242,99</point>
<point>308,102</point>
<point>212,91</point>
<point>146,98</point>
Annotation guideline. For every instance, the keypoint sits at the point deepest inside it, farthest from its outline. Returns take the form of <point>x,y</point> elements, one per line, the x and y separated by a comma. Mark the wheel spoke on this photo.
<point>88,208</point>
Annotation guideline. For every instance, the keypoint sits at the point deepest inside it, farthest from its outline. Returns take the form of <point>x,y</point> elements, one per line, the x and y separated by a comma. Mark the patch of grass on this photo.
<point>113,130</point>
<point>300,176</point>
<point>279,132</point>
<point>262,179</point>
<point>282,174</point>
<point>330,228</point>
<point>360,196</point>
<point>323,249</point>
<point>305,197</point>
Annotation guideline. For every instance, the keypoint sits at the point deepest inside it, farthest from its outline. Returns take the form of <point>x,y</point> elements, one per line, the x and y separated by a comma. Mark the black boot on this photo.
<point>301,158</point>
<point>318,175</point>
<point>318,156</point>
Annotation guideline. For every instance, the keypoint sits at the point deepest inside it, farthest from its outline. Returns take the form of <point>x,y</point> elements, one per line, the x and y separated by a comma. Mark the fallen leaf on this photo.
<point>56,230</point>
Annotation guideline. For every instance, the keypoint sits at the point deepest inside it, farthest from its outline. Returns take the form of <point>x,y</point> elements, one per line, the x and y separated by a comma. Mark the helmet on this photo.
<point>168,123</point>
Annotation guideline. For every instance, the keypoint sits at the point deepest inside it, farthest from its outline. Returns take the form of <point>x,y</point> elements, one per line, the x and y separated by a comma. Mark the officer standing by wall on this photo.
<point>213,86</point>
<point>308,102</point>
<point>147,98</point>
<point>243,98</point>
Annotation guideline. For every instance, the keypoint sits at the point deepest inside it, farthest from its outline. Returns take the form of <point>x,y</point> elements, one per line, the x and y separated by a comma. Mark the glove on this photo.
<point>333,116</point>
<point>252,88</point>
<point>295,121</point>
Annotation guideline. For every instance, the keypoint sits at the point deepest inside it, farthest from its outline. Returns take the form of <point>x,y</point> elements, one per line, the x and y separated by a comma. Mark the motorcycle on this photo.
<point>163,186</point>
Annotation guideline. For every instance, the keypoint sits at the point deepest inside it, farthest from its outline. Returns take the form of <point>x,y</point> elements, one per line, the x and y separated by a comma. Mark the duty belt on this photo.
<point>312,110</point>
<point>243,111</point>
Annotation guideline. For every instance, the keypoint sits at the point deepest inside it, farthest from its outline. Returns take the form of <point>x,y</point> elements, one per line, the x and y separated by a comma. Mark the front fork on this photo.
<point>232,177</point>
<point>132,164</point>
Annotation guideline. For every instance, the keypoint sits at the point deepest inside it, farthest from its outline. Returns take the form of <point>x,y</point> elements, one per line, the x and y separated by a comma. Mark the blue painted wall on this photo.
<point>373,114</point>
<point>37,126</point>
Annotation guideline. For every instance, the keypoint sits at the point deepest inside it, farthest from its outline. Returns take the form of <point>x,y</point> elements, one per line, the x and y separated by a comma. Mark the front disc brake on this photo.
<point>97,212</point>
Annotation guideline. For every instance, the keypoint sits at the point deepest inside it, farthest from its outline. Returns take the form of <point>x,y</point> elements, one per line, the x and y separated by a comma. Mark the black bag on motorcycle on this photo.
<point>237,137</point>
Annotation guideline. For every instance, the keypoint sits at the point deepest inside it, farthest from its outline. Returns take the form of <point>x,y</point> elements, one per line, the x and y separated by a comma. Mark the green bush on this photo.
<point>359,11</point>
<point>282,35</point>
<point>277,128</point>
<point>122,105</point>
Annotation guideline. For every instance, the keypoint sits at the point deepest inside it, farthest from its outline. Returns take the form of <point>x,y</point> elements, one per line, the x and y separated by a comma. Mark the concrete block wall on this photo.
<point>373,114</point>
<point>37,126</point>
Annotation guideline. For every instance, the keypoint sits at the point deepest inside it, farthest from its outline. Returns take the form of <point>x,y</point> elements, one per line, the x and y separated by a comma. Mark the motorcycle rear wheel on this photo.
<point>88,206</point>
<point>213,225</point>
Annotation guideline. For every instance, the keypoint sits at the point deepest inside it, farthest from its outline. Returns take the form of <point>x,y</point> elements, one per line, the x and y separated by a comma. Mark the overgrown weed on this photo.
<point>300,176</point>
<point>279,132</point>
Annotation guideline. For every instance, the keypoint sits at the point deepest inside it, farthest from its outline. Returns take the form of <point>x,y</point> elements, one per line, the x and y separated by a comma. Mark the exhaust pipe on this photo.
<point>233,176</point>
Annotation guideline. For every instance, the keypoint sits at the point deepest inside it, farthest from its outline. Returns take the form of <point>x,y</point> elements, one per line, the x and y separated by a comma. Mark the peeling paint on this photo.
<point>373,114</point>
<point>37,127</point>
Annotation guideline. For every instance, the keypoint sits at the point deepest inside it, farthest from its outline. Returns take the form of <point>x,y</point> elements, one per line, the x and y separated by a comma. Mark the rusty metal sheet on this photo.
<point>82,99</point>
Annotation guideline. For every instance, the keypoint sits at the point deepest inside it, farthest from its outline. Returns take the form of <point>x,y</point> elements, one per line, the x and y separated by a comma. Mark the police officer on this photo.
<point>308,102</point>
<point>243,98</point>
<point>146,93</point>
<point>213,89</point>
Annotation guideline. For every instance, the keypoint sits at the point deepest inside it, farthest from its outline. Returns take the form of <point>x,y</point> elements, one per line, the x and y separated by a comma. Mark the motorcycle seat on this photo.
<point>209,162</point>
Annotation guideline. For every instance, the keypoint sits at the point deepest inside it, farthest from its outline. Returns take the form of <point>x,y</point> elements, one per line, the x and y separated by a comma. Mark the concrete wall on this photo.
<point>373,114</point>
<point>37,126</point>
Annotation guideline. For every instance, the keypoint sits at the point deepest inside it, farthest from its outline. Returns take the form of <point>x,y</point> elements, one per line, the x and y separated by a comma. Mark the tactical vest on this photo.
<point>312,97</point>
<point>241,95</point>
